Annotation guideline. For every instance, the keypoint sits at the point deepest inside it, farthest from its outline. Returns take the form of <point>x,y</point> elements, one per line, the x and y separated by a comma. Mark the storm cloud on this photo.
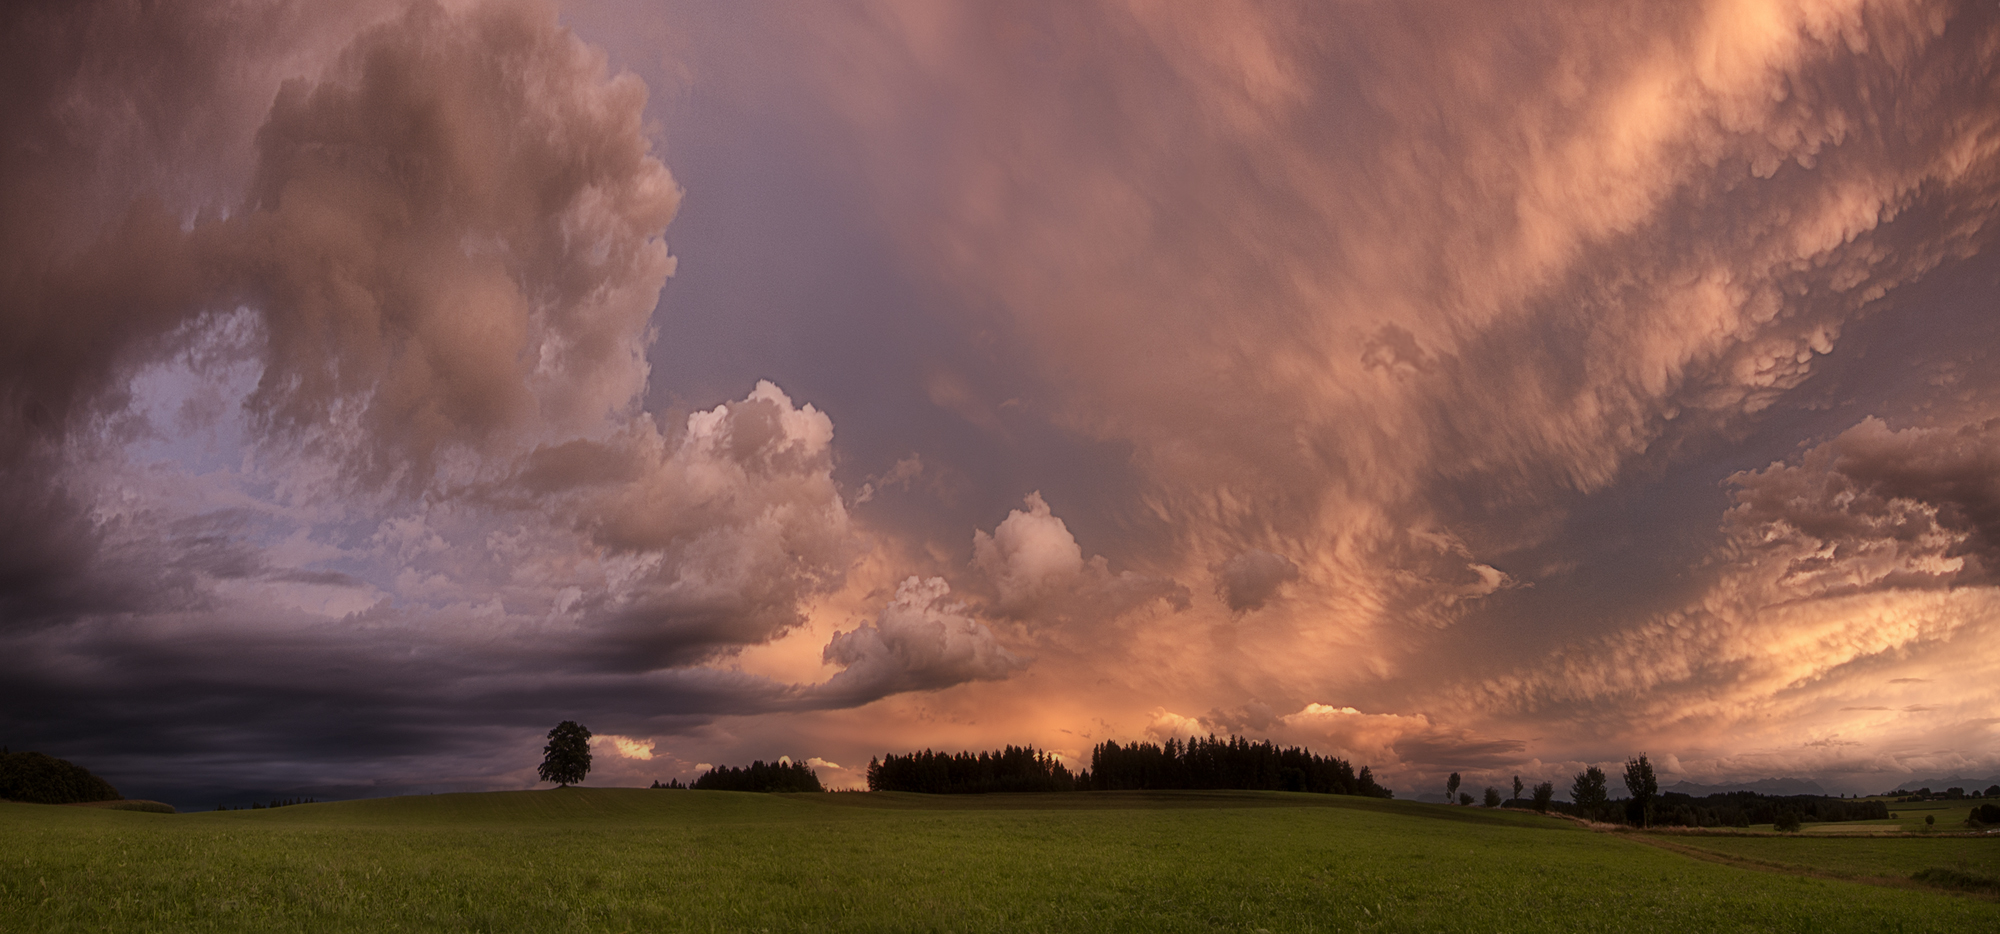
<point>1449,387</point>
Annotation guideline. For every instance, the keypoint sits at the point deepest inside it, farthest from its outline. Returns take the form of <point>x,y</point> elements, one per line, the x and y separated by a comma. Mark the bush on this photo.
<point>44,779</point>
<point>1957,879</point>
<point>1787,822</point>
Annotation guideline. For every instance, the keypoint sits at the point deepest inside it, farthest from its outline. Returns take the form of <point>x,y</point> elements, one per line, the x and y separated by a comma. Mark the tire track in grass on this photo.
<point>1765,865</point>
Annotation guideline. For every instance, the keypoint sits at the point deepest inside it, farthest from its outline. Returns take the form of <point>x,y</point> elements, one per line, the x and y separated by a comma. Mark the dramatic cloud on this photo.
<point>1877,508</point>
<point>455,236</point>
<point>1037,570</point>
<point>1446,386</point>
<point>920,642</point>
<point>1246,581</point>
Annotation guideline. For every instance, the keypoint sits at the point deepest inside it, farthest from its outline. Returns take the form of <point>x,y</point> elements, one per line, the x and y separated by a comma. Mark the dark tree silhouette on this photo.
<point>1218,763</point>
<point>1517,787</point>
<point>782,775</point>
<point>1200,762</point>
<point>1639,780</point>
<point>566,759</point>
<point>1465,799</point>
<point>1011,769</point>
<point>45,779</point>
<point>1544,793</point>
<point>1587,790</point>
<point>1451,787</point>
<point>1492,797</point>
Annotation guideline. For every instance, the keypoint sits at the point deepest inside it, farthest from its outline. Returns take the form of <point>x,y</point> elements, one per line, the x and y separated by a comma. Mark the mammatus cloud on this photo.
<point>327,329</point>
<point>1864,558</point>
<point>1877,508</point>
<point>1389,291</point>
<point>1248,580</point>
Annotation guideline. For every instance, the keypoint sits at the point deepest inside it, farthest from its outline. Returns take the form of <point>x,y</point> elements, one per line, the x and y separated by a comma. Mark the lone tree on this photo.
<point>1517,787</point>
<point>566,759</point>
<point>1451,787</point>
<point>1492,797</point>
<point>1644,786</point>
<point>1544,792</point>
<point>1587,790</point>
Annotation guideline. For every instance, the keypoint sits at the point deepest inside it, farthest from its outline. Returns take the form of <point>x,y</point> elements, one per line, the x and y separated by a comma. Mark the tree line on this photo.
<point>275,803</point>
<point>1011,769</point>
<point>758,776</point>
<point>1198,763</point>
<point>1647,806</point>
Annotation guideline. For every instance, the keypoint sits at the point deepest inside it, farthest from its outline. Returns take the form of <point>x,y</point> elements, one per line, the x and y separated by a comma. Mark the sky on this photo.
<point>1447,386</point>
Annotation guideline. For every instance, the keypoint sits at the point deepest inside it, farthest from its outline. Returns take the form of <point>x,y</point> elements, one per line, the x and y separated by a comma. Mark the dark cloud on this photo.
<point>920,642</point>
<point>1250,579</point>
<point>327,332</point>
<point>1881,508</point>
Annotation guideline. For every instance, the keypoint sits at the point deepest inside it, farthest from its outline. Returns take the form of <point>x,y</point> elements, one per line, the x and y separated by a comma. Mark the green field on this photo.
<point>639,860</point>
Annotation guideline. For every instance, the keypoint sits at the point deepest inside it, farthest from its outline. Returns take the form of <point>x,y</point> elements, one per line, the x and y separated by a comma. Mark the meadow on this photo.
<point>617,860</point>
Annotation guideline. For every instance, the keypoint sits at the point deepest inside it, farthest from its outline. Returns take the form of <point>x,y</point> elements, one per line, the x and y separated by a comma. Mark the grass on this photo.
<point>640,860</point>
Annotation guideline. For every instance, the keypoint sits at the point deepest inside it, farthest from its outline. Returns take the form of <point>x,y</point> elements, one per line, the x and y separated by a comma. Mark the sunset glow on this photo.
<point>1451,387</point>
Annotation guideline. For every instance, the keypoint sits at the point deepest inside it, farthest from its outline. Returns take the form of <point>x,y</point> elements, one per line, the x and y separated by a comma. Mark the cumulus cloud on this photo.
<point>919,642</point>
<point>1036,568</point>
<point>710,539</point>
<point>625,746</point>
<point>455,235</point>
<point>365,408</point>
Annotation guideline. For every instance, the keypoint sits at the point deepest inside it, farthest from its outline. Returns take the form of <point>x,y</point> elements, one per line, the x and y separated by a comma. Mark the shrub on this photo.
<point>1957,879</point>
<point>1787,822</point>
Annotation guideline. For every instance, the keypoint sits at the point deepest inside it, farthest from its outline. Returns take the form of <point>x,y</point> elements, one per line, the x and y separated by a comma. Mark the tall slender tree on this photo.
<point>1451,788</point>
<point>566,759</point>
<point>1517,787</point>
<point>1639,780</point>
